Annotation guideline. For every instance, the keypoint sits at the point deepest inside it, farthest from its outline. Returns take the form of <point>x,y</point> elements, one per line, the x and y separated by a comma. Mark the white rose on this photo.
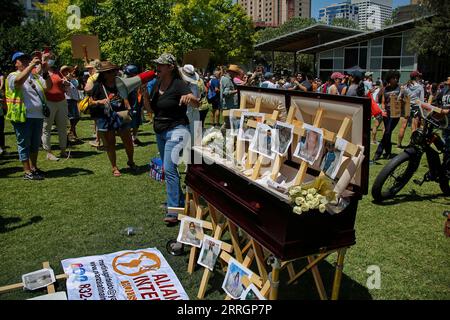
<point>309,197</point>
<point>322,208</point>
<point>298,210</point>
<point>297,189</point>
<point>299,201</point>
<point>304,192</point>
<point>305,207</point>
<point>312,191</point>
<point>292,192</point>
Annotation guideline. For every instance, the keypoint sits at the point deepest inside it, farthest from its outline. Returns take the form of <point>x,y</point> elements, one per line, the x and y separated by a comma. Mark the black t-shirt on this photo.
<point>167,109</point>
<point>116,101</point>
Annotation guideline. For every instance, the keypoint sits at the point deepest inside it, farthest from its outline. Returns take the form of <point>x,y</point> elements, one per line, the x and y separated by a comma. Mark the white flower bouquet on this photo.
<point>313,196</point>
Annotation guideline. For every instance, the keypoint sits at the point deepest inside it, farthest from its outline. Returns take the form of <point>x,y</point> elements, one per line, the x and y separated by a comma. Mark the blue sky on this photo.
<point>317,4</point>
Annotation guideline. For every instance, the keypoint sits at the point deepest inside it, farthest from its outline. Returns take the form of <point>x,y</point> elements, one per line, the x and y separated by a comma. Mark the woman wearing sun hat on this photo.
<point>169,100</point>
<point>104,104</point>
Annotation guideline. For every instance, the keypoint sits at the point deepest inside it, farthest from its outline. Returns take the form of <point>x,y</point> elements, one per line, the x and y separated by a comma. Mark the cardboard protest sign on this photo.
<point>85,46</point>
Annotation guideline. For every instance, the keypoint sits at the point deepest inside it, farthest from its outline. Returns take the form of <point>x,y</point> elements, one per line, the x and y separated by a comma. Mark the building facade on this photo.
<point>273,13</point>
<point>372,14</point>
<point>31,10</point>
<point>344,10</point>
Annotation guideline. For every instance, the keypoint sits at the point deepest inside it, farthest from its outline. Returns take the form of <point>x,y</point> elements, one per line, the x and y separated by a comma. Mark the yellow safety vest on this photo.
<point>17,112</point>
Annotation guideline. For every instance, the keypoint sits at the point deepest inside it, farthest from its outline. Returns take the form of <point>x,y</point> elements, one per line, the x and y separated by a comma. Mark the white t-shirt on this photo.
<point>33,102</point>
<point>72,91</point>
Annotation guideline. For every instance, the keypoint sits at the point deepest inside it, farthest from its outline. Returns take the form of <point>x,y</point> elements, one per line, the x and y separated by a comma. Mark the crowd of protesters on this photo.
<point>39,96</point>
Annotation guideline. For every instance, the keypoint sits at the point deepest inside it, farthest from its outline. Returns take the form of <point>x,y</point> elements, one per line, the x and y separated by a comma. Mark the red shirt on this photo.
<point>56,93</point>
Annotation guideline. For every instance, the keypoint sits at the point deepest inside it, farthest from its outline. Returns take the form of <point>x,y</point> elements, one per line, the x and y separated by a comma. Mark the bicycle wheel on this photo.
<point>395,175</point>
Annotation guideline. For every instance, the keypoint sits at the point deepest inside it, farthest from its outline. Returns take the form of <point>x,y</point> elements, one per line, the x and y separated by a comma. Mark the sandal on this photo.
<point>116,172</point>
<point>171,219</point>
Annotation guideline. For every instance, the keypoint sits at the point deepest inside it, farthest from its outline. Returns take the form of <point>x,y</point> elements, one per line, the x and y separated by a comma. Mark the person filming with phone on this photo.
<point>27,108</point>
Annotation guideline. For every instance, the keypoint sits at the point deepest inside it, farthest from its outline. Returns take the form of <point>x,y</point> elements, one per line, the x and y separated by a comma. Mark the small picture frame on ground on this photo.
<point>262,141</point>
<point>246,133</point>
<point>191,232</point>
<point>332,157</point>
<point>232,284</point>
<point>252,293</point>
<point>309,146</point>
<point>209,253</point>
<point>283,134</point>
<point>38,279</point>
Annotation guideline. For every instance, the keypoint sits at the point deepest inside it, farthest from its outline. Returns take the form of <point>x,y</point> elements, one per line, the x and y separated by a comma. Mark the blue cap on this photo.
<point>131,70</point>
<point>17,55</point>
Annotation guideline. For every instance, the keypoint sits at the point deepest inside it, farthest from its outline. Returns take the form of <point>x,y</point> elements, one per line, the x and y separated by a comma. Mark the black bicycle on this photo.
<point>397,172</point>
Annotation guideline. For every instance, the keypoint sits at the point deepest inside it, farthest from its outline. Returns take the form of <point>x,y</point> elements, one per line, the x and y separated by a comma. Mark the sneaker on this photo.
<point>170,220</point>
<point>32,176</point>
<point>52,157</point>
<point>38,172</point>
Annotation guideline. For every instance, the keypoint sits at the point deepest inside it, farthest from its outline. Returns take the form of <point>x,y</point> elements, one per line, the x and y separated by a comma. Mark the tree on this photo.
<point>11,13</point>
<point>138,31</point>
<point>218,25</point>
<point>346,23</point>
<point>31,36</point>
<point>432,36</point>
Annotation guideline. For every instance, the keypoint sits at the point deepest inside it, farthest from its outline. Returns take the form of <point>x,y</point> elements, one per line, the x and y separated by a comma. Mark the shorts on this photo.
<point>136,118</point>
<point>414,109</point>
<point>379,118</point>
<point>104,124</point>
<point>28,135</point>
<point>215,102</point>
<point>72,106</point>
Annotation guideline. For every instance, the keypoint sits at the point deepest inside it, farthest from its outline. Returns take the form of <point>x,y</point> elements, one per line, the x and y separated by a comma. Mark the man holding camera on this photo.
<point>25,98</point>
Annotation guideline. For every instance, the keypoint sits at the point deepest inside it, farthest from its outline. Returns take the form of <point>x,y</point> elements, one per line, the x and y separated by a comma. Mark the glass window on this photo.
<point>391,63</point>
<point>377,42</point>
<point>408,63</point>
<point>363,58</point>
<point>326,64</point>
<point>375,63</point>
<point>338,64</point>
<point>326,54</point>
<point>339,53</point>
<point>406,45</point>
<point>364,44</point>
<point>376,51</point>
<point>351,58</point>
<point>392,47</point>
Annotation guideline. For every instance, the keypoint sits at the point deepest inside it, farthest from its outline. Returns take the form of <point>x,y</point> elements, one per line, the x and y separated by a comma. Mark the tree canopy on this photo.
<point>11,13</point>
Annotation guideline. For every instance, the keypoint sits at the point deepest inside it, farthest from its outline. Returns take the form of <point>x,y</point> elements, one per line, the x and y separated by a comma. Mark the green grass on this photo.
<point>81,210</point>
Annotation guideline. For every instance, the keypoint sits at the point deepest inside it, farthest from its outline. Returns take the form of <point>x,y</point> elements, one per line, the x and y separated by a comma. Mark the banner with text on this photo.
<point>125,275</point>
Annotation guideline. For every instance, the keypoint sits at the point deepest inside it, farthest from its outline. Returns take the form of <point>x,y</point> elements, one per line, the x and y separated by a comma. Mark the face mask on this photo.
<point>51,63</point>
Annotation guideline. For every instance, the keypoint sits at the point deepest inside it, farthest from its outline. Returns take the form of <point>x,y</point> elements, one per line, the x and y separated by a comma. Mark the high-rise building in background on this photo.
<point>272,13</point>
<point>372,14</point>
<point>343,10</point>
<point>31,10</point>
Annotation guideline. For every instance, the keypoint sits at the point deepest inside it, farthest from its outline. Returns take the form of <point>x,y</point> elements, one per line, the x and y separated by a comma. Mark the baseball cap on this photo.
<point>166,58</point>
<point>19,54</point>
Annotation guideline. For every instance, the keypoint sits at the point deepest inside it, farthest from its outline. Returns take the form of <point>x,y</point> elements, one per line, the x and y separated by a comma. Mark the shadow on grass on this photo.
<point>82,154</point>
<point>4,222</point>
<point>5,172</point>
<point>304,288</point>
<point>68,173</point>
<point>411,197</point>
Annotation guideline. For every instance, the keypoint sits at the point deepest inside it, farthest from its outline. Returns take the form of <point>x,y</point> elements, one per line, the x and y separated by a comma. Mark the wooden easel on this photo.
<point>50,287</point>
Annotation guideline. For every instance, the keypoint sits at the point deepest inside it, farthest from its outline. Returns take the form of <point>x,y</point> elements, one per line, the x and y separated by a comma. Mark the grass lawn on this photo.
<point>81,210</point>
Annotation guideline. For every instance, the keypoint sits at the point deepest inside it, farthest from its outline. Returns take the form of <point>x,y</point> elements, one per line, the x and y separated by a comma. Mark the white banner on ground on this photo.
<point>126,275</point>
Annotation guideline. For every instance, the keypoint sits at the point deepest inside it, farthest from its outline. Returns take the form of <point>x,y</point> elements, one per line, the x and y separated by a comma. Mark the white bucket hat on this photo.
<point>188,73</point>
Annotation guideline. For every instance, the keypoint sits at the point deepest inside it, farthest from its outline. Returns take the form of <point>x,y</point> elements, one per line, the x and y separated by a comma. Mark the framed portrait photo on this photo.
<point>191,232</point>
<point>235,122</point>
<point>262,141</point>
<point>283,134</point>
<point>209,253</point>
<point>245,132</point>
<point>232,284</point>
<point>333,157</point>
<point>252,293</point>
<point>309,146</point>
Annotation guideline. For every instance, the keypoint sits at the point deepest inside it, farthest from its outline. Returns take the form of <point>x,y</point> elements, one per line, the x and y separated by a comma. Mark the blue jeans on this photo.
<point>170,145</point>
<point>385,143</point>
<point>28,135</point>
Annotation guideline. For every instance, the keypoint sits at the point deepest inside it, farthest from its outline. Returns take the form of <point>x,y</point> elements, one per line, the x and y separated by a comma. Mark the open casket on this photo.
<point>265,213</point>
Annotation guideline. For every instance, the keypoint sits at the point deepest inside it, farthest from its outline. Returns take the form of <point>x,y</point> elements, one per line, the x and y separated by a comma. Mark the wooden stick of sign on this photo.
<point>264,290</point>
